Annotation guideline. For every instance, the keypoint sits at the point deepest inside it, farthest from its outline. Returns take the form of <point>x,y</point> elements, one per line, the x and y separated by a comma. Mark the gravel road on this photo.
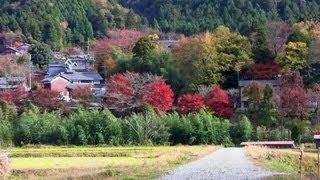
<point>226,163</point>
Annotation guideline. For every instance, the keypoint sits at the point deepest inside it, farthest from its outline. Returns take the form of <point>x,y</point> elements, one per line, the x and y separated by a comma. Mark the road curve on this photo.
<point>226,163</point>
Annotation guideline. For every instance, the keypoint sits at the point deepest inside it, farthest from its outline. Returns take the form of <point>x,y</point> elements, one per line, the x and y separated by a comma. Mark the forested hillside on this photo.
<point>63,22</point>
<point>192,16</point>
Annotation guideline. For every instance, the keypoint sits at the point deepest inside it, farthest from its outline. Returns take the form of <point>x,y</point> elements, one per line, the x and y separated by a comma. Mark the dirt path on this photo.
<point>227,163</point>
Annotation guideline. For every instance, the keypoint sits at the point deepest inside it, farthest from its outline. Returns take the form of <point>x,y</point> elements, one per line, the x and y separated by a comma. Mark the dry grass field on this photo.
<point>284,160</point>
<point>100,162</point>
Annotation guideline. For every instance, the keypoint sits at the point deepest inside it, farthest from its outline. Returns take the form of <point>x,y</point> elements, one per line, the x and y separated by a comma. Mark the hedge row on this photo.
<point>97,127</point>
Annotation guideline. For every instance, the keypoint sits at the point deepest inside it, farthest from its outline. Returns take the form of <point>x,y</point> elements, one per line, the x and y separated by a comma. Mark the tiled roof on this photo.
<point>7,80</point>
<point>78,76</point>
<point>55,69</point>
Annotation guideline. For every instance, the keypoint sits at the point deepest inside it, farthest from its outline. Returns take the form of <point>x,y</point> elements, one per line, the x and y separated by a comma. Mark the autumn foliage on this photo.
<point>190,103</point>
<point>119,93</point>
<point>219,101</point>
<point>45,98</point>
<point>128,91</point>
<point>293,95</point>
<point>293,102</point>
<point>123,39</point>
<point>159,95</point>
<point>262,71</point>
<point>83,94</point>
<point>15,96</point>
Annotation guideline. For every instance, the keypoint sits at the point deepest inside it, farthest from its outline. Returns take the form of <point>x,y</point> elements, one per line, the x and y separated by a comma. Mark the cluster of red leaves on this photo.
<point>293,95</point>
<point>190,103</point>
<point>294,102</point>
<point>263,71</point>
<point>159,95</point>
<point>16,96</point>
<point>124,39</point>
<point>45,98</point>
<point>131,90</point>
<point>83,94</point>
<point>118,91</point>
<point>219,101</point>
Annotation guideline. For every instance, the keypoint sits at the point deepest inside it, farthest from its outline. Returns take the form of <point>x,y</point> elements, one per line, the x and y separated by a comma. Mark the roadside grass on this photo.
<point>283,160</point>
<point>100,162</point>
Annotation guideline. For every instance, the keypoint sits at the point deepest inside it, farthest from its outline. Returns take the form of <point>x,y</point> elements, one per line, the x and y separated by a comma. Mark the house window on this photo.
<point>86,81</point>
<point>245,104</point>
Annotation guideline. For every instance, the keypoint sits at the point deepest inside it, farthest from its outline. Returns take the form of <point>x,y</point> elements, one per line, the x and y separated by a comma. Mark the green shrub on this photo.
<point>61,135</point>
<point>307,136</point>
<point>242,131</point>
<point>180,129</point>
<point>96,127</point>
<point>245,129</point>
<point>297,130</point>
<point>5,133</point>
<point>199,128</point>
<point>81,137</point>
<point>145,128</point>
<point>35,127</point>
<point>261,133</point>
<point>275,134</point>
<point>8,115</point>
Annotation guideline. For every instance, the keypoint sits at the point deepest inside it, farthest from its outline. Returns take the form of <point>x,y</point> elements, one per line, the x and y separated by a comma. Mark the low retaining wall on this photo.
<point>272,144</point>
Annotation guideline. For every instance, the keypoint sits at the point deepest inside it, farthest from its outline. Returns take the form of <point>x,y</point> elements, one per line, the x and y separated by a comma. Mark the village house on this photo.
<point>76,72</point>
<point>244,104</point>
<point>79,63</point>
<point>17,51</point>
<point>11,83</point>
<point>65,82</point>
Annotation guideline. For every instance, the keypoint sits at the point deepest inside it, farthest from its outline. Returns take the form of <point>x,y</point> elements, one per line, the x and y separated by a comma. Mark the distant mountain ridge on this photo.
<point>63,22</point>
<point>192,16</point>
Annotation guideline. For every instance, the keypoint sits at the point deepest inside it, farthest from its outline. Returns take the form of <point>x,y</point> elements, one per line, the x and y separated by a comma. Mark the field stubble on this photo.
<point>100,162</point>
<point>284,160</point>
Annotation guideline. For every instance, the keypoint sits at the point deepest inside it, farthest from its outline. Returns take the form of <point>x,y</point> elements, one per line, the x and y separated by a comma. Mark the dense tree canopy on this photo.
<point>191,17</point>
<point>207,55</point>
<point>62,22</point>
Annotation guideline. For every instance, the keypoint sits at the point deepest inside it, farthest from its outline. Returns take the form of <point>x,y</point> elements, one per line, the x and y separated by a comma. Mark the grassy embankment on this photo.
<point>284,160</point>
<point>100,162</point>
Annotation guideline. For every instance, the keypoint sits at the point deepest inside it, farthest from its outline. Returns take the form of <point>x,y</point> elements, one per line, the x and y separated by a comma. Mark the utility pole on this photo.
<point>30,72</point>
<point>88,47</point>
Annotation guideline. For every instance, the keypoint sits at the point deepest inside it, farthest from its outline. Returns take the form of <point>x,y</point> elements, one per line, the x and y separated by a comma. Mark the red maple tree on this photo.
<point>293,102</point>
<point>219,101</point>
<point>83,94</point>
<point>159,95</point>
<point>125,91</point>
<point>292,94</point>
<point>190,103</point>
<point>15,96</point>
<point>262,71</point>
<point>118,92</point>
<point>45,98</point>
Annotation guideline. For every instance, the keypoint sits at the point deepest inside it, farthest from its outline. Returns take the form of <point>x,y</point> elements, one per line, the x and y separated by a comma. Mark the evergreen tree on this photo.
<point>260,49</point>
